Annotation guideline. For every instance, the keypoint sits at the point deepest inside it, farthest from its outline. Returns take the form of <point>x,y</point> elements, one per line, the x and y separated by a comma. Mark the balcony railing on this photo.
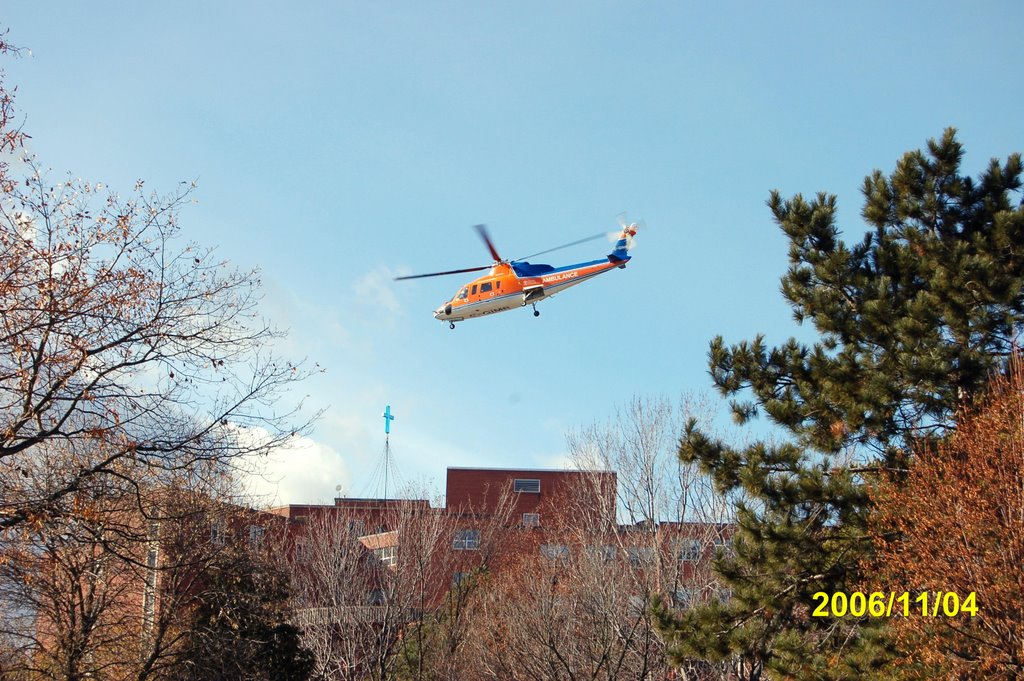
<point>371,614</point>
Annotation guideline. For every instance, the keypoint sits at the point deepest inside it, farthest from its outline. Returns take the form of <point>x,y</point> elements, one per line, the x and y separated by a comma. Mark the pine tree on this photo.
<point>241,628</point>
<point>911,321</point>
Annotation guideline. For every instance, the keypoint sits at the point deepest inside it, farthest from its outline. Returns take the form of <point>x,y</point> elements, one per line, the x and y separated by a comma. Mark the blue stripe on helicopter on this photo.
<point>525,269</point>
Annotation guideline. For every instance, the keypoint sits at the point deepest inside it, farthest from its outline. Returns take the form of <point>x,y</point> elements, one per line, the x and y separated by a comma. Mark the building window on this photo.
<point>375,597</point>
<point>255,535</point>
<point>526,485</point>
<point>218,533</point>
<point>387,555</point>
<point>689,549</point>
<point>685,597</point>
<point>355,528</point>
<point>458,578</point>
<point>150,583</point>
<point>604,552</point>
<point>531,520</point>
<point>554,551</point>
<point>466,540</point>
<point>640,555</point>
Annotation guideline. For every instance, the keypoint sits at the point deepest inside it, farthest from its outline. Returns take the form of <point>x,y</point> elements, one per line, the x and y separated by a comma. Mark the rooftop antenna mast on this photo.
<point>385,470</point>
<point>388,418</point>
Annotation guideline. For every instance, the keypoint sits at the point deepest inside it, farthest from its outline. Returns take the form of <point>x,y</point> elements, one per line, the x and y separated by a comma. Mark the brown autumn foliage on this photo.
<point>956,524</point>
<point>11,137</point>
<point>136,376</point>
<point>123,354</point>
<point>126,356</point>
<point>108,593</point>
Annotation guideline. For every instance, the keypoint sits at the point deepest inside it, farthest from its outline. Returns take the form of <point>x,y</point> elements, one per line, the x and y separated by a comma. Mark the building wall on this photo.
<point>561,495</point>
<point>367,516</point>
<point>557,514</point>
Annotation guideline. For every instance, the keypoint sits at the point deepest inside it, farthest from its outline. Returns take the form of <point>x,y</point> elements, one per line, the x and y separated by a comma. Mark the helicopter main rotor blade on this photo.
<point>482,229</point>
<point>602,235</point>
<point>441,274</point>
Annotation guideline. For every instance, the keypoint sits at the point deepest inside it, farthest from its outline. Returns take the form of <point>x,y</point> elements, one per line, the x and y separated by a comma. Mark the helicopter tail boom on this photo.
<point>622,246</point>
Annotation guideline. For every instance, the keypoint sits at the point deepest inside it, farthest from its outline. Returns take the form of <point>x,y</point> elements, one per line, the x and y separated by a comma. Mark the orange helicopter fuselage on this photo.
<point>510,285</point>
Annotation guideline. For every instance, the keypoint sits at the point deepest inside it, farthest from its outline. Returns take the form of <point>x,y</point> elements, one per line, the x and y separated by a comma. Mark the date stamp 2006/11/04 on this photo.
<point>880,604</point>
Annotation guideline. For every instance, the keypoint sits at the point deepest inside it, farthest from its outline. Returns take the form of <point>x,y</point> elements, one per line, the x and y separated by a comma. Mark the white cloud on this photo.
<point>560,462</point>
<point>303,471</point>
<point>375,288</point>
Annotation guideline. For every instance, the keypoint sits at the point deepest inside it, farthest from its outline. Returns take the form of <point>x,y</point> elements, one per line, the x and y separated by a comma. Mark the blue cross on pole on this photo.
<point>388,418</point>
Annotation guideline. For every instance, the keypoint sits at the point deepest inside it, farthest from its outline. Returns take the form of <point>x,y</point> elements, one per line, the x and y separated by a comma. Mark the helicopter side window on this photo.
<point>474,290</point>
<point>463,293</point>
<point>485,287</point>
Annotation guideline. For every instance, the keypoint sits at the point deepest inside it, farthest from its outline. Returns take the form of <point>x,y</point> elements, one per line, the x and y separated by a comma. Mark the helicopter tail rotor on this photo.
<point>623,240</point>
<point>627,228</point>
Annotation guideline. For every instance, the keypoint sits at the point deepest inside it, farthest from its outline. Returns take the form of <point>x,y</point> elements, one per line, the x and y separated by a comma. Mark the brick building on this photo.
<point>536,497</point>
<point>523,528</point>
<point>479,492</point>
<point>516,513</point>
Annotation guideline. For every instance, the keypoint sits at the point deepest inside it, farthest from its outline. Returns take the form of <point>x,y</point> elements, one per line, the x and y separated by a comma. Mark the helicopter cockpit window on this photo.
<point>462,294</point>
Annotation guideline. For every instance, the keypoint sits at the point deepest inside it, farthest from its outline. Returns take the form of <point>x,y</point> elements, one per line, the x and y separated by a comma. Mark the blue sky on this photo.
<point>338,144</point>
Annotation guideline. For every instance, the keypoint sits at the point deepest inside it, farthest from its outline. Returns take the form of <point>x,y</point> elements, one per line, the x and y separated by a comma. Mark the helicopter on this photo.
<point>510,284</point>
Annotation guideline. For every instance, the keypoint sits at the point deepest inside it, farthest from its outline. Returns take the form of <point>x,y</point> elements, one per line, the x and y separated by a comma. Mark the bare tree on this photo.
<point>109,591</point>
<point>474,544</point>
<point>127,368</point>
<point>72,607</point>
<point>340,588</point>
<point>136,379</point>
<point>640,443</point>
<point>120,351</point>
<point>11,137</point>
<point>668,508</point>
<point>131,371</point>
<point>395,604</point>
<point>579,607</point>
<point>574,609</point>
